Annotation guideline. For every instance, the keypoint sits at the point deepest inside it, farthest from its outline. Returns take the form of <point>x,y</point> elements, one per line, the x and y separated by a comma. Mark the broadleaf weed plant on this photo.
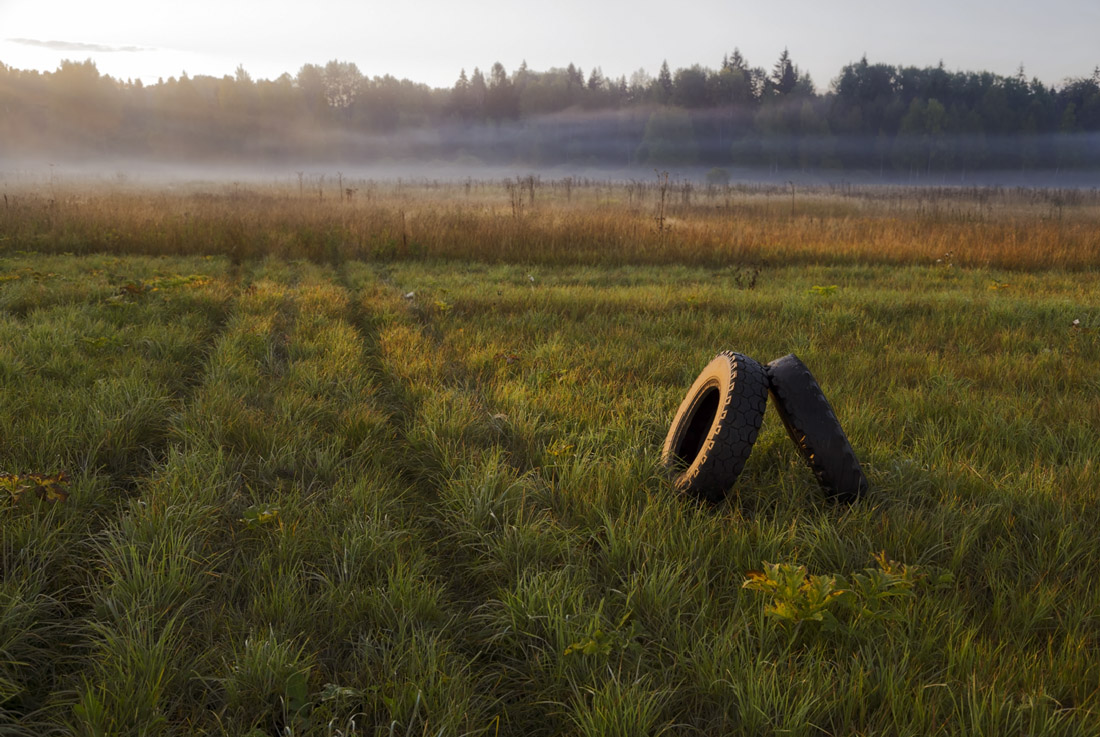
<point>598,641</point>
<point>845,606</point>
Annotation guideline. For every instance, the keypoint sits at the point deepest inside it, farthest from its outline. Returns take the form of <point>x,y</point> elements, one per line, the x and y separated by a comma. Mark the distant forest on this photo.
<point>873,118</point>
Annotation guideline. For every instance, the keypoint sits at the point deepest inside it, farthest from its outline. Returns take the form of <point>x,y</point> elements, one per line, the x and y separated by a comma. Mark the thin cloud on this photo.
<point>74,45</point>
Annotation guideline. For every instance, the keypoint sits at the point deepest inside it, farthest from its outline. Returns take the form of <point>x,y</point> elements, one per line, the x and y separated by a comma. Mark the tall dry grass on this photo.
<point>562,222</point>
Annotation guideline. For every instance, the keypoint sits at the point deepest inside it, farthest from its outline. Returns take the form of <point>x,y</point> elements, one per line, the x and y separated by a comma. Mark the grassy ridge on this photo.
<point>563,222</point>
<point>420,498</point>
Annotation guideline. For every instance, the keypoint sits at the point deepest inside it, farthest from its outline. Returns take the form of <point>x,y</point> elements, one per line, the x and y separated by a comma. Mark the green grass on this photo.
<point>302,503</point>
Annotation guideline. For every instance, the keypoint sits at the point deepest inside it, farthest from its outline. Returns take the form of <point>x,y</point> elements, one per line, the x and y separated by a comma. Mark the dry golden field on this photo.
<point>566,221</point>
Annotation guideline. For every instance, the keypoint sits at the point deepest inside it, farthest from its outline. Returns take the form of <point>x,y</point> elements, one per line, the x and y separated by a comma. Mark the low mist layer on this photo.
<point>876,122</point>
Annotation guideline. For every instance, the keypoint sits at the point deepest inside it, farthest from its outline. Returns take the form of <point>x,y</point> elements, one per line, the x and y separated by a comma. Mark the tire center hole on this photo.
<point>698,428</point>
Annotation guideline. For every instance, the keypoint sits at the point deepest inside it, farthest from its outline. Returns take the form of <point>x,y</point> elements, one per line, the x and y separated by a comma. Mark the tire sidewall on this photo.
<point>717,374</point>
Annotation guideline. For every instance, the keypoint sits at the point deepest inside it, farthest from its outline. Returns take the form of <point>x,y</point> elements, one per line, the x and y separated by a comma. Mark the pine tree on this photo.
<point>574,76</point>
<point>478,90</point>
<point>784,77</point>
<point>463,83</point>
<point>596,79</point>
<point>460,103</point>
<point>663,84</point>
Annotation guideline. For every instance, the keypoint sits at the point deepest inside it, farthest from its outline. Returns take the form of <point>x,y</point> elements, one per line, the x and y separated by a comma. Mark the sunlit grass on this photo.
<point>303,502</point>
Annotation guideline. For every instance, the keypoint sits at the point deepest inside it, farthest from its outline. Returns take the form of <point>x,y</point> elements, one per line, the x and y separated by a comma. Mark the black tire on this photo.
<point>814,428</point>
<point>716,425</point>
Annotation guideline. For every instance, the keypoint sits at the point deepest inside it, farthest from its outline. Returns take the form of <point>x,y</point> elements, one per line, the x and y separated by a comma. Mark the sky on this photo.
<point>430,41</point>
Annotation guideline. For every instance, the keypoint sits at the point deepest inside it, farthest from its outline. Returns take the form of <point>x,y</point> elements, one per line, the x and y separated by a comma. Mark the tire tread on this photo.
<point>813,426</point>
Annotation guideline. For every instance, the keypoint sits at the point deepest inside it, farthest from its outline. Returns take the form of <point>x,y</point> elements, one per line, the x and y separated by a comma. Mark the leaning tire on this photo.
<point>814,428</point>
<point>716,425</point>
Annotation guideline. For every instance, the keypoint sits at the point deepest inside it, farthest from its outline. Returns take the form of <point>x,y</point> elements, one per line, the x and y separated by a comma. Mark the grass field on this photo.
<point>420,493</point>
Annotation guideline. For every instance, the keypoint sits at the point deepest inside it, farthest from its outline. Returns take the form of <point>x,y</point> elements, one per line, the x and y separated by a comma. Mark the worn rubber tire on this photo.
<point>716,425</point>
<point>814,428</point>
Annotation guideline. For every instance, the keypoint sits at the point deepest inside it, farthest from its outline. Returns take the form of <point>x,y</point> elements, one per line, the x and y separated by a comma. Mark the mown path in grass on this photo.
<point>426,499</point>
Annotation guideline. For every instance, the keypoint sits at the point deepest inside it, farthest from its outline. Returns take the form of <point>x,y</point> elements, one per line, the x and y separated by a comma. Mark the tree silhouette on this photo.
<point>784,77</point>
<point>874,118</point>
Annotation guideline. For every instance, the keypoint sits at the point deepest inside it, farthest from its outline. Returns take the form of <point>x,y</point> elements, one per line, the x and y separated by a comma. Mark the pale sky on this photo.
<point>431,40</point>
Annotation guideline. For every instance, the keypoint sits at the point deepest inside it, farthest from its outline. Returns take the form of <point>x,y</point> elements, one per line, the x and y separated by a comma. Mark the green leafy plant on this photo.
<point>797,596</point>
<point>260,514</point>
<point>336,692</point>
<point>48,487</point>
<point>746,278</point>
<point>598,641</point>
<point>877,588</point>
<point>841,604</point>
<point>560,449</point>
<point>824,291</point>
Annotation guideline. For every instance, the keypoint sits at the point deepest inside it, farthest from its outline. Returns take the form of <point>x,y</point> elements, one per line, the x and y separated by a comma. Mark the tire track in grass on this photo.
<point>397,607</point>
<point>377,319</point>
<point>327,581</point>
<point>498,541</point>
<point>157,564</point>
<point>92,385</point>
<point>160,560</point>
<point>415,353</point>
<point>405,371</point>
<point>418,468</point>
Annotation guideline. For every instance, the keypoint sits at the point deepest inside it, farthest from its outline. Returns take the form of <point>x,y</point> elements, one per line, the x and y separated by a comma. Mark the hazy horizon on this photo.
<point>742,93</point>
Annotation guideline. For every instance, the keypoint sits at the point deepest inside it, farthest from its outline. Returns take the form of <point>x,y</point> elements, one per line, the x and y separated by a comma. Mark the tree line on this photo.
<point>875,118</point>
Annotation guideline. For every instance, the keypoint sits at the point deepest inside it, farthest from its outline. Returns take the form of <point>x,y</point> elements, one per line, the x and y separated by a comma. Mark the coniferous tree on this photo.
<point>478,92</point>
<point>500,99</point>
<point>596,81</point>
<point>574,76</point>
<point>784,77</point>
<point>662,86</point>
<point>461,102</point>
<point>925,120</point>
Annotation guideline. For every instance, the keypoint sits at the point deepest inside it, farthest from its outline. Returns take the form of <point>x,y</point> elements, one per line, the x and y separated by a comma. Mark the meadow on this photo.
<point>367,458</point>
